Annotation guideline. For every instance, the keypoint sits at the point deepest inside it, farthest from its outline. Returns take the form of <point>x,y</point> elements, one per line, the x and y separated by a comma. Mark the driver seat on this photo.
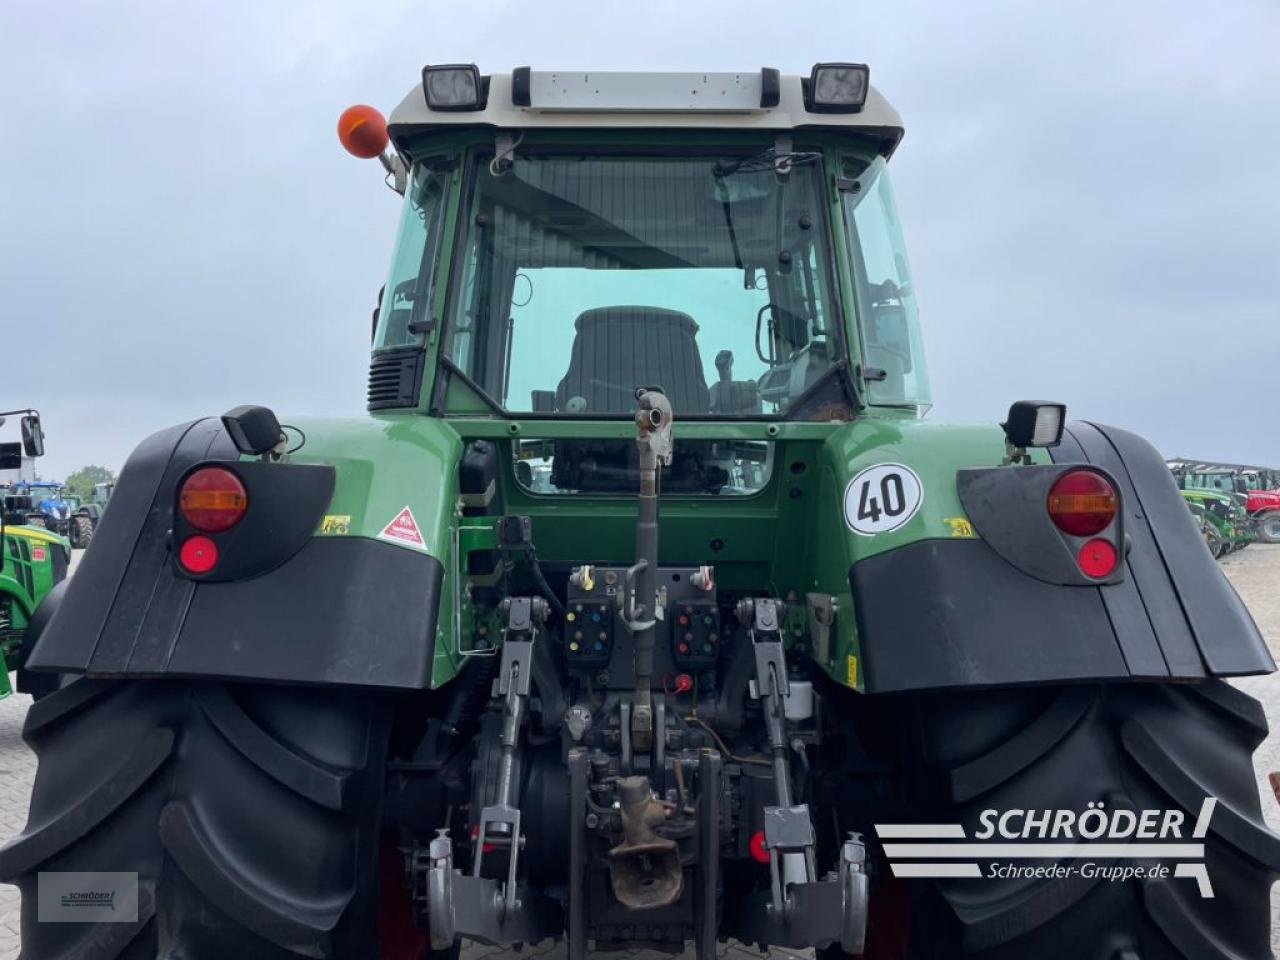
<point>616,349</point>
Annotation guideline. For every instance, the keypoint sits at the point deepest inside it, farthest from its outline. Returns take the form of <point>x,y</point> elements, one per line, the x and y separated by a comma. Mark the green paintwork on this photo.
<point>26,577</point>
<point>385,464</point>
<point>788,539</point>
<point>791,537</point>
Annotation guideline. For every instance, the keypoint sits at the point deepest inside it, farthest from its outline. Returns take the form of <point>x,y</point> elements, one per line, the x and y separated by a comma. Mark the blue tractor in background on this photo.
<point>62,515</point>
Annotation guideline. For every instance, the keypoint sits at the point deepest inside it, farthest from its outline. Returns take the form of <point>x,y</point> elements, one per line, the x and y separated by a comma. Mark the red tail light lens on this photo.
<point>213,500</point>
<point>198,555</point>
<point>1082,503</point>
<point>1098,558</point>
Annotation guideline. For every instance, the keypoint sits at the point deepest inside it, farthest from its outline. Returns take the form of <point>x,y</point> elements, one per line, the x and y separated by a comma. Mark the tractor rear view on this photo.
<point>645,608</point>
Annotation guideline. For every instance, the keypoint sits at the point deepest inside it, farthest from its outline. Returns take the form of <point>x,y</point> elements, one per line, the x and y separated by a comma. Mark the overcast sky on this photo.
<point>1091,191</point>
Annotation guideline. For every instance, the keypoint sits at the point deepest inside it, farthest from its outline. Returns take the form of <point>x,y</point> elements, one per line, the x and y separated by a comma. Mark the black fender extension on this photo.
<point>940,614</point>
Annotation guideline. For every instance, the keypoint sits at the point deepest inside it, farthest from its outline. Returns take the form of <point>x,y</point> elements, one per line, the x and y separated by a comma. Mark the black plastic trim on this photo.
<point>1196,614</point>
<point>952,613</point>
<point>345,611</point>
<point>521,93</point>
<point>770,87</point>
<point>395,378</point>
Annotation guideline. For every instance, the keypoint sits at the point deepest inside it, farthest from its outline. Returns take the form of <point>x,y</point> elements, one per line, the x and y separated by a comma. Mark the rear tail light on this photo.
<point>1083,503</point>
<point>198,555</point>
<point>1098,558</point>
<point>213,500</point>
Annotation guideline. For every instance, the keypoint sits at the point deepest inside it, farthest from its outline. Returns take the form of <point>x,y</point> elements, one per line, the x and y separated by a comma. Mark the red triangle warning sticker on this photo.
<point>404,529</point>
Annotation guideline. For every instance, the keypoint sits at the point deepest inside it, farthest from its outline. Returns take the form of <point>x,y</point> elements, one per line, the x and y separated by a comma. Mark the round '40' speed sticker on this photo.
<point>882,498</point>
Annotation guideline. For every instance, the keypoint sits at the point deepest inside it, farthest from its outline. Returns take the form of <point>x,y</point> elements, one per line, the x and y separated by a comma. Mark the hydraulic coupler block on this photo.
<point>589,617</point>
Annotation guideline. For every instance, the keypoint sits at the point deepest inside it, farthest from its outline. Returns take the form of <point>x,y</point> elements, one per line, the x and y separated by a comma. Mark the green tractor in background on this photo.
<point>645,608</point>
<point>1212,538</point>
<point>33,560</point>
<point>1228,525</point>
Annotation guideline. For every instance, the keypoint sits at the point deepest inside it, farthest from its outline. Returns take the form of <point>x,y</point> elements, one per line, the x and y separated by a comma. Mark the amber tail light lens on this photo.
<point>1083,503</point>
<point>213,500</point>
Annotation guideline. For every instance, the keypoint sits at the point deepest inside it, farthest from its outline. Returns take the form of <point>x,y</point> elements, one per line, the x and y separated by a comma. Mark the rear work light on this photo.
<point>453,86</point>
<point>838,87</point>
<point>213,500</point>
<point>1082,503</point>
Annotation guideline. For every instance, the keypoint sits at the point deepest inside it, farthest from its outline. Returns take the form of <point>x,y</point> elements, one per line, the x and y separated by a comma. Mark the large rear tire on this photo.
<point>1136,746</point>
<point>250,814</point>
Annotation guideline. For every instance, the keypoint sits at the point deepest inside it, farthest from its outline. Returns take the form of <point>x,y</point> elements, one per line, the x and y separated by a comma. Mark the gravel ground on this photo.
<point>1255,572</point>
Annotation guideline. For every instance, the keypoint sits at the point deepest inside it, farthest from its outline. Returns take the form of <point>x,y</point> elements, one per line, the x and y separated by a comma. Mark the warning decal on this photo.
<point>404,529</point>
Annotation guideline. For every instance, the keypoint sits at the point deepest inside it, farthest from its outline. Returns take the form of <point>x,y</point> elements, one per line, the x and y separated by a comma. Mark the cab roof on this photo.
<point>629,101</point>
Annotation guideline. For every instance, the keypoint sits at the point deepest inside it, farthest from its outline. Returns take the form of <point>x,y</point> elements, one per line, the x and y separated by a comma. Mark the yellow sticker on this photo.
<point>335,525</point>
<point>853,671</point>
<point>960,527</point>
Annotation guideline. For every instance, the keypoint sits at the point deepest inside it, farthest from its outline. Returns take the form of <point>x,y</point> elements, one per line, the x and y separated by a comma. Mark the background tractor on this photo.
<point>1256,487</point>
<point>33,561</point>
<point>61,514</point>
<point>645,608</point>
<point>1226,516</point>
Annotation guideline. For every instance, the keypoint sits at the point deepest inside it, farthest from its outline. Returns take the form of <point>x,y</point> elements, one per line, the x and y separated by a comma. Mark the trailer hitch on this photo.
<point>644,868</point>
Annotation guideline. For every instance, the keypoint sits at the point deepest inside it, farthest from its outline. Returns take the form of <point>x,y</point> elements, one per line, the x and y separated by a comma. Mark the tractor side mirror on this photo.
<point>32,436</point>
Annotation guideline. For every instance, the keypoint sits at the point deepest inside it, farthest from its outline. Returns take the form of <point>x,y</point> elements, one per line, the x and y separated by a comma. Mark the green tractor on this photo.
<point>33,561</point>
<point>1212,538</point>
<point>1226,515</point>
<point>645,608</point>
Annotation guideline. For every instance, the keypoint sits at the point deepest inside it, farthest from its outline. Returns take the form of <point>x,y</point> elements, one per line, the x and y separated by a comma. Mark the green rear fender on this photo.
<point>932,453</point>
<point>396,474</point>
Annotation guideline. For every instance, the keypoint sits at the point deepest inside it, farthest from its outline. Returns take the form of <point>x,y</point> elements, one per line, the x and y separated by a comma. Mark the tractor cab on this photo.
<point>569,240</point>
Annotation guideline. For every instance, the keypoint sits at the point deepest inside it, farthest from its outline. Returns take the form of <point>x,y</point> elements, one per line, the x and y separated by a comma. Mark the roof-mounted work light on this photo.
<point>453,86</point>
<point>1034,423</point>
<point>837,87</point>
